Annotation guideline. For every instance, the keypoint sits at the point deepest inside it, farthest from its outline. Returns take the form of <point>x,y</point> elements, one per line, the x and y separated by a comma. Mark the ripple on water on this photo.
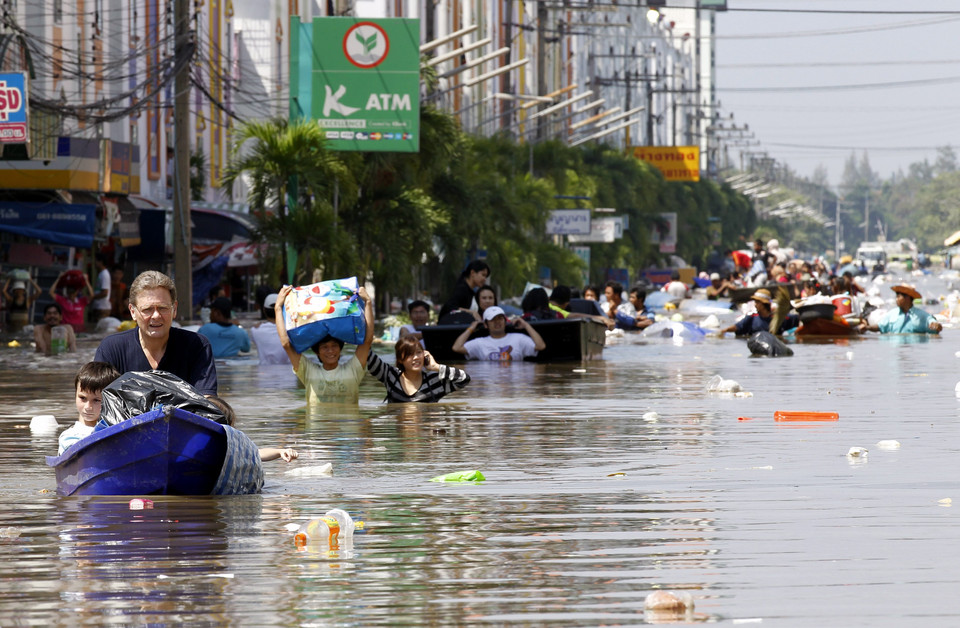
<point>588,505</point>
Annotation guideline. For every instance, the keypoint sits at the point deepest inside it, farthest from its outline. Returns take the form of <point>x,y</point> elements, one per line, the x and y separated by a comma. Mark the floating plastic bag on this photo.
<point>720,385</point>
<point>460,476</point>
<point>321,309</point>
<point>765,343</point>
<point>137,392</point>
<point>679,331</point>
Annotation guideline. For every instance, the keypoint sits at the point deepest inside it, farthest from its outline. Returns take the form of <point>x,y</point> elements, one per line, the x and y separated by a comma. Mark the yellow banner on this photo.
<point>677,163</point>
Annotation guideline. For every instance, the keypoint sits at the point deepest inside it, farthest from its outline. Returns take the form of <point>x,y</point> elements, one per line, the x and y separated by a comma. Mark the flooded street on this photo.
<point>590,502</point>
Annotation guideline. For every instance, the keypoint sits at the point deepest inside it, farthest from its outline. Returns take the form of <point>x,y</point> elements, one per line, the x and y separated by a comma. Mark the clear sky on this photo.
<point>816,87</point>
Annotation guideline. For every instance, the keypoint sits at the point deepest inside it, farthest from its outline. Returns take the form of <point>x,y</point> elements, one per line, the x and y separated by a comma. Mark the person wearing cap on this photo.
<point>330,381</point>
<point>905,319</point>
<point>719,287</point>
<point>760,321</point>
<point>227,339</point>
<point>846,265</point>
<point>499,345</point>
<point>264,334</point>
<point>154,344</point>
<point>18,301</point>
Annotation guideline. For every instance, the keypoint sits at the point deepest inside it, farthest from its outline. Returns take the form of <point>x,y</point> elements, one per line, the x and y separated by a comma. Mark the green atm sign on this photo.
<point>359,79</point>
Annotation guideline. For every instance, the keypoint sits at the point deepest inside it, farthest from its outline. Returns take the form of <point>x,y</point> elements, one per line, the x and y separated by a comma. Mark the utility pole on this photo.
<point>836,231</point>
<point>626,137</point>
<point>541,62</point>
<point>866,218</point>
<point>696,73</point>
<point>182,238</point>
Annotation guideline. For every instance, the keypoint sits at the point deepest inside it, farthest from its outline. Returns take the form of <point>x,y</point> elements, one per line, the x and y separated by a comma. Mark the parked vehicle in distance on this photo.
<point>872,256</point>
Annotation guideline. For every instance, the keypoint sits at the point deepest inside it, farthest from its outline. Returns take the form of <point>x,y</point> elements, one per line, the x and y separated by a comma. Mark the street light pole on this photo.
<point>183,240</point>
<point>696,73</point>
<point>866,219</point>
<point>541,61</point>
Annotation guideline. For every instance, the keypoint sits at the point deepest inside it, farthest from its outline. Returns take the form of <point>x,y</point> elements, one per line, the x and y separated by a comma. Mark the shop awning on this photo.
<point>954,239</point>
<point>69,224</point>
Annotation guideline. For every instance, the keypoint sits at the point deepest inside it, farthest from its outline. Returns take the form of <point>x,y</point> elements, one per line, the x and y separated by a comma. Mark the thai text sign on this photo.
<point>13,108</point>
<point>364,81</point>
<point>602,230</point>
<point>677,163</point>
<point>60,223</point>
<point>569,221</point>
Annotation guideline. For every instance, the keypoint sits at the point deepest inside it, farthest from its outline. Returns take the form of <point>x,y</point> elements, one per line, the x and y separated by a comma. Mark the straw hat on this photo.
<point>910,291</point>
<point>762,295</point>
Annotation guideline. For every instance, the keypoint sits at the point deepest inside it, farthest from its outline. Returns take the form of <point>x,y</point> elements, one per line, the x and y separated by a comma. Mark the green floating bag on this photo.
<point>460,476</point>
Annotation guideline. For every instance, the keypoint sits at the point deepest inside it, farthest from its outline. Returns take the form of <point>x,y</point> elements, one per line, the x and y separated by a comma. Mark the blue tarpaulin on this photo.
<point>59,223</point>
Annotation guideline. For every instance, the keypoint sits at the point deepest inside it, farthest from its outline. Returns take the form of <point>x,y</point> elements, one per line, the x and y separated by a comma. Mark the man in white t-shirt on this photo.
<point>264,335</point>
<point>101,305</point>
<point>499,345</point>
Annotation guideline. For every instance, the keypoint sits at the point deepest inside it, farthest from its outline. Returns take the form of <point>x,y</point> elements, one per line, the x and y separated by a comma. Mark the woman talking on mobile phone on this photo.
<point>417,376</point>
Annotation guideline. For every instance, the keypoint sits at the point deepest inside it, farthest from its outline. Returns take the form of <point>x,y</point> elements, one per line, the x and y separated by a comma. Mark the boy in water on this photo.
<point>88,385</point>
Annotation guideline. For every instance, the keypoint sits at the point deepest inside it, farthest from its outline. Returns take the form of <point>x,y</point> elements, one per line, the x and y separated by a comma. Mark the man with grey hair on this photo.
<point>154,343</point>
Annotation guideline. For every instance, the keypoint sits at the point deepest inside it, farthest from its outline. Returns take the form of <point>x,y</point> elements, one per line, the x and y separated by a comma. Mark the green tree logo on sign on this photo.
<point>366,45</point>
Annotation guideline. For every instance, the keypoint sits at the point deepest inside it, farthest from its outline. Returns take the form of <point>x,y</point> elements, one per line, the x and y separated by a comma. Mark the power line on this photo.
<point>845,11</point>
<point>846,148</point>
<point>831,64</point>
<point>840,31</point>
<point>851,86</point>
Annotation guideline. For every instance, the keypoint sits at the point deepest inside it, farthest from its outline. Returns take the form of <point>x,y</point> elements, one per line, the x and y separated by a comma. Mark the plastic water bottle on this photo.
<point>58,340</point>
<point>204,315</point>
<point>318,529</point>
<point>329,528</point>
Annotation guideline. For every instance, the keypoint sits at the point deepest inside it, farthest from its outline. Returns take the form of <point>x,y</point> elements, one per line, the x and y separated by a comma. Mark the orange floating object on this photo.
<point>783,415</point>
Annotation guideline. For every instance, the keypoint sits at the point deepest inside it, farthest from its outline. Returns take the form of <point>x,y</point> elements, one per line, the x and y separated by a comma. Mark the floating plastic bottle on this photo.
<point>58,340</point>
<point>332,527</point>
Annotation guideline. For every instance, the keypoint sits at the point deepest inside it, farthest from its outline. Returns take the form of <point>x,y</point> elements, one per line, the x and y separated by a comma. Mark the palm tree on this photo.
<point>287,166</point>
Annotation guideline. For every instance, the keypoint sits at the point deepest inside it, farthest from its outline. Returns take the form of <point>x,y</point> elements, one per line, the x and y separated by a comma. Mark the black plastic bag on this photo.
<point>137,392</point>
<point>765,343</point>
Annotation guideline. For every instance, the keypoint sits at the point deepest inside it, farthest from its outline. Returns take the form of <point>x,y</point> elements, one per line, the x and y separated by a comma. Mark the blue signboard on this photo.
<point>60,223</point>
<point>13,108</point>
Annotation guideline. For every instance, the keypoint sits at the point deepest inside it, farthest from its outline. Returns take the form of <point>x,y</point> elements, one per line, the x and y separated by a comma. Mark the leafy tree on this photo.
<point>287,166</point>
<point>198,175</point>
<point>946,161</point>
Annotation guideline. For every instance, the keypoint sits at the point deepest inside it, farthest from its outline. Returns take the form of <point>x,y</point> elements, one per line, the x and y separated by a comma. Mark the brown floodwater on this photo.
<point>590,501</point>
